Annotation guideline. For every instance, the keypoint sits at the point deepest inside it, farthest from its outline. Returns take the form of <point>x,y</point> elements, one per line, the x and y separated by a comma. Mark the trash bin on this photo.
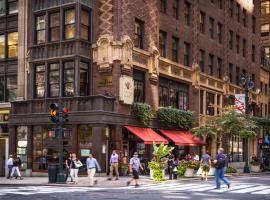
<point>53,170</point>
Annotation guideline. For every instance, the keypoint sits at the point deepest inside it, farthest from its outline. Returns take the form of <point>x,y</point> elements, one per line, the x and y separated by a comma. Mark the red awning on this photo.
<point>147,135</point>
<point>182,138</point>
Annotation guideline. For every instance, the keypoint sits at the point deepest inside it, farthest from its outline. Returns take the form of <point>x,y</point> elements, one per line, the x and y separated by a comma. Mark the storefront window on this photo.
<point>46,147</point>
<point>54,75</point>
<point>12,6</point>
<point>85,25</point>
<point>40,29</point>
<point>2,46</point>
<point>236,149</point>
<point>40,81</point>
<point>84,74</point>
<point>2,88</point>
<point>69,23</point>
<point>2,7</point>
<point>11,88</point>
<point>54,27</point>
<point>210,101</point>
<point>68,78</point>
<point>12,45</point>
<point>22,133</point>
<point>85,138</point>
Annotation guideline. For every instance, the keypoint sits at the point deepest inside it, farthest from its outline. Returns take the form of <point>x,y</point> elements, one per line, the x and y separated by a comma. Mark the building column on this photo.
<point>12,139</point>
<point>214,146</point>
<point>74,136</point>
<point>98,146</point>
<point>204,102</point>
<point>215,104</point>
<point>29,152</point>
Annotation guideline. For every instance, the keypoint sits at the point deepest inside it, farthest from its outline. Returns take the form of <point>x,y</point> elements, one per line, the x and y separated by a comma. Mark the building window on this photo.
<point>230,72</point>
<point>186,54</point>
<point>11,90</point>
<point>138,40</point>
<point>187,13</point>
<point>54,83</point>
<point>237,44</point>
<point>244,17</point>
<point>68,84</point>
<point>202,22</point>
<point>267,52</point>
<point>175,47</point>
<point>253,80</point>
<point>69,24</point>
<point>236,149</point>
<point>54,31</point>
<point>202,59</point>
<point>162,43</point>
<point>211,65</point>
<point>40,29</point>
<point>265,28</point>
<point>237,75</point>
<point>163,96</point>
<point>12,45</point>
<point>2,46</point>
<point>211,27</point>
<point>22,145</point>
<point>2,88</point>
<point>219,32</point>
<point>84,79</point>
<point>238,10</point>
<point>231,8</point>
<point>253,53</point>
<point>220,4</point>
<point>39,81</point>
<point>265,7</point>
<point>163,6</point>
<point>85,25</point>
<point>176,9</point>
<point>12,6</point>
<point>266,89</point>
<point>231,40</point>
<point>210,101</point>
<point>253,24</point>
<point>2,7</point>
<point>219,67</point>
<point>139,81</point>
<point>85,138</point>
<point>244,48</point>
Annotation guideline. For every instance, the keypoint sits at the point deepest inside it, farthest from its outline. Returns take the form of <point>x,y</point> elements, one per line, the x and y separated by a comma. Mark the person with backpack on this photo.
<point>205,162</point>
<point>220,165</point>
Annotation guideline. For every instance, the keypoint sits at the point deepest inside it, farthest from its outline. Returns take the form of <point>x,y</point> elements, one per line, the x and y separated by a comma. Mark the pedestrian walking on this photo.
<point>67,163</point>
<point>114,160</point>
<point>170,161</point>
<point>9,165</point>
<point>92,167</point>
<point>75,164</point>
<point>205,162</point>
<point>220,165</point>
<point>16,167</point>
<point>134,167</point>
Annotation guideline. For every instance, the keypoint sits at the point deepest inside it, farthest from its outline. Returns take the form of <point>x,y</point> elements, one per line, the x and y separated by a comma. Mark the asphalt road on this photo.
<point>246,188</point>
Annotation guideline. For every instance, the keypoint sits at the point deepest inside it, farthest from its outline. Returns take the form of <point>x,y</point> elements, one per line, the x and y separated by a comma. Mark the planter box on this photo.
<point>152,173</point>
<point>189,172</point>
<point>212,171</point>
<point>255,168</point>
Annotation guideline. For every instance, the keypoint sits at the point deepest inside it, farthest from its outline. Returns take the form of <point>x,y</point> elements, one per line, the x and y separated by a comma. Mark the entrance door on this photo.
<point>2,156</point>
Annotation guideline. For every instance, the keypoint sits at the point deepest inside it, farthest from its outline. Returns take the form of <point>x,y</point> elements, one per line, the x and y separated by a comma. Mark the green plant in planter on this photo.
<point>124,169</point>
<point>255,161</point>
<point>192,164</point>
<point>154,165</point>
<point>181,168</point>
<point>231,170</point>
<point>172,117</point>
<point>158,175</point>
<point>143,112</point>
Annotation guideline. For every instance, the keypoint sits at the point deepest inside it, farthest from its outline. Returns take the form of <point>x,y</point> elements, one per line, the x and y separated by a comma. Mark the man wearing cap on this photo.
<point>134,166</point>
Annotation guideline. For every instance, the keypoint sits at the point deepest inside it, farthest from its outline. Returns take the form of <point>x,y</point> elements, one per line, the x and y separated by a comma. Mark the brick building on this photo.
<point>187,54</point>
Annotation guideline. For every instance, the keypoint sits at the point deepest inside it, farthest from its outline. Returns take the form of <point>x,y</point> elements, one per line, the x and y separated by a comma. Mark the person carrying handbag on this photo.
<point>92,166</point>
<point>75,164</point>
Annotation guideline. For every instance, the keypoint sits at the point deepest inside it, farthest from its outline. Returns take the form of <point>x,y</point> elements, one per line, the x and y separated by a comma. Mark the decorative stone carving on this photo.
<point>154,64</point>
<point>196,76</point>
<point>106,16</point>
<point>226,86</point>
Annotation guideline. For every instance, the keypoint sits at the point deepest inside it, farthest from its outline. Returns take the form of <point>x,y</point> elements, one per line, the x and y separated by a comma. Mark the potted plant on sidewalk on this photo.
<point>255,165</point>
<point>191,166</point>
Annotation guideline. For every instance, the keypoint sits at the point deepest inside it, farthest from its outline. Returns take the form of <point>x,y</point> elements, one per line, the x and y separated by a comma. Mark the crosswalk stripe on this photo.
<point>252,189</point>
<point>267,191</point>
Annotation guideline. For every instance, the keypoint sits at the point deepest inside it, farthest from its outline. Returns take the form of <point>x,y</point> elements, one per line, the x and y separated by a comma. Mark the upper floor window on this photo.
<point>202,22</point>
<point>187,13</point>
<point>139,85</point>
<point>202,59</point>
<point>85,24</point>
<point>138,34</point>
<point>176,9</point>
<point>244,17</point>
<point>265,28</point>
<point>163,6</point>
<point>12,6</point>
<point>238,10</point>
<point>84,79</point>
<point>211,27</point>
<point>220,4</point>
<point>2,46</point>
<point>265,7</point>
<point>237,75</point>
<point>237,43</point>
<point>267,52</point>
<point>253,24</point>
<point>231,40</point>
<point>54,31</point>
<point>219,67</point>
<point>244,47</point>
<point>253,53</point>
<point>39,81</point>
<point>2,7</point>
<point>219,32</point>
<point>68,79</point>
<point>230,72</point>
<point>54,81</point>
<point>162,43</point>
<point>211,65</point>
<point>12,45</point>
<point>40,29</point>
<point>231,6</point>
<point>210,101</point>
<point>186,54</point>
<point>175,47</point>
<point>11,87</point>
<point>69,24</point>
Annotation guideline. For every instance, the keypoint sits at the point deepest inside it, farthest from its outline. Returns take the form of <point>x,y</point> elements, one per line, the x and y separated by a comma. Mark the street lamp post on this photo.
<point>247,84</point>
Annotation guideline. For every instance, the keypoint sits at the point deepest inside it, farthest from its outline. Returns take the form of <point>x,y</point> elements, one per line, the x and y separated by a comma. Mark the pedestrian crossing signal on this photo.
<point>54,114</point>
<point>65,114</point>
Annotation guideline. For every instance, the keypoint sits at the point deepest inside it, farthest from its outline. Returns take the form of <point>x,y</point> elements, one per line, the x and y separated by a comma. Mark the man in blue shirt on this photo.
<point>114,160</point>
<point>92,166</point>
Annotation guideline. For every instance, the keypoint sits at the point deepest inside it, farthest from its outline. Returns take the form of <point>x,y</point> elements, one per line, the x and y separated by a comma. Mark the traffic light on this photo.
<point>54,113</point>
<point>65,114</point>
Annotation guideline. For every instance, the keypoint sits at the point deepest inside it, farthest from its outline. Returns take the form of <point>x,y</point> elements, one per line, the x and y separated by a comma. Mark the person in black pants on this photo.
<point>170,163</point>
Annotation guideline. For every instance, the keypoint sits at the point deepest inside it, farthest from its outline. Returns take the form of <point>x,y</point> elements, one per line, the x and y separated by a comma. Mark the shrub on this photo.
<point>143,112</point>
<point>192,164</point>
<point>181,168</point>
<point>255,161</point>
<point>158,175</point>
<point>231,170</point>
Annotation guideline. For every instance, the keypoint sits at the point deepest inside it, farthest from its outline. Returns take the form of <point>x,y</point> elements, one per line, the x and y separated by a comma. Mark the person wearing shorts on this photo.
<point>134,166</point>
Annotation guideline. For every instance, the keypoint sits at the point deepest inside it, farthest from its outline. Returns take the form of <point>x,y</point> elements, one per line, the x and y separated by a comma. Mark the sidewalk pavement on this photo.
<point>102,181</point>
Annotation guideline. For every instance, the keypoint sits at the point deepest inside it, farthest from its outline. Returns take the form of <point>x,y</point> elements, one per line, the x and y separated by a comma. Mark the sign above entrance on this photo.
<point>126,89</point>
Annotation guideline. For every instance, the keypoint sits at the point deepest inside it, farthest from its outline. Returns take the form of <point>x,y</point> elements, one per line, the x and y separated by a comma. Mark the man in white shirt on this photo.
<point>9,165</point>
<point>114,160</point>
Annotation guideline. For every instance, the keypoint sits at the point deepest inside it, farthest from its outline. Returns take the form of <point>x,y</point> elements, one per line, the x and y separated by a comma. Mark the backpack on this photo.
<point>221,161</point>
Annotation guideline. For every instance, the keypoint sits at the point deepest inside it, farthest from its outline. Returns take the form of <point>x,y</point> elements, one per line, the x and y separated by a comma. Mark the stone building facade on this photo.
<point>188,54</point>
